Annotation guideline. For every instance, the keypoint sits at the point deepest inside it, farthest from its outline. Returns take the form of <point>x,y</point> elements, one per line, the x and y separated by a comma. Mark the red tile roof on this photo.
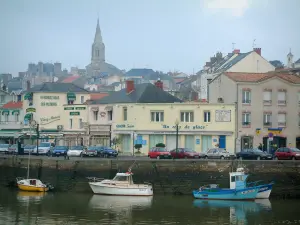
<point>70,79</point>
<point>13,105</point>
<point>258,77</point>
<point>96,96</point>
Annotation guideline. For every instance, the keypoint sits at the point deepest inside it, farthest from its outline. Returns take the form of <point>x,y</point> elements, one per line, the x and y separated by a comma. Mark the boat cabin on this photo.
<point>238,180</point>
<point>124,177</point>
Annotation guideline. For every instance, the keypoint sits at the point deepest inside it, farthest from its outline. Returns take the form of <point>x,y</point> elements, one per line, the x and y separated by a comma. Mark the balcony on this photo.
<point>11,125</point>
<point>281,124</point>
<point>246,124</point>
<point>281,102</point>
<point>267,102</point>
<point>267,124</point>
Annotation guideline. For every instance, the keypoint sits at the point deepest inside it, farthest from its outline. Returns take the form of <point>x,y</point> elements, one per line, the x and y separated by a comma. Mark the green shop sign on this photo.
<point>124,126</point>
<point>50,97</point>
<point>79,108</point>
<point>74,113</point>
<point>48,103</point>
<point>192,127</point>
<point>30,110</point>
<point>69,108</point>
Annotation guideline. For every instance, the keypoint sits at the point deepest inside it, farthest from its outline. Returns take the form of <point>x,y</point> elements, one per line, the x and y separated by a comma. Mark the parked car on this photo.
<point>45,148</point>
<point>107,152</point>
<point>28,148</point>
<point>59,151</point>
<point>159,153</point>
<point>287,153</point>
<point>76,150</point>
<point>218,153</point>
<point>186,153</point>
<point>92,151</point>
<point>4,148</point>
<point>13,149</point>
<point>254,153</point>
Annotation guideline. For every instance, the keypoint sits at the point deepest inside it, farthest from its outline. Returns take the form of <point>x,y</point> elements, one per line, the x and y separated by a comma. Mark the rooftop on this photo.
<point>142,93</point>
<point>13,105</point>
<point>70,79</point>
<point>57,88</point>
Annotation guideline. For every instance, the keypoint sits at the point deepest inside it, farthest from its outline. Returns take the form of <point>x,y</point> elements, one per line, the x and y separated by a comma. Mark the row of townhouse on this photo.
<point>143,114</point>
<point>268,110</point>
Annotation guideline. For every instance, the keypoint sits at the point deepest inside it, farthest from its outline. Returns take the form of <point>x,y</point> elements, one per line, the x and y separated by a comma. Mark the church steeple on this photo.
<point>98,47</point>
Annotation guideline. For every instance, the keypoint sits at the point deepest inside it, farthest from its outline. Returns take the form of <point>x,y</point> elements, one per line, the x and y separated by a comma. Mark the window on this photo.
<point>157,116</point>
<point>206,116</point>
<point>6,117</point>
<point>71,123</point>
<point>187,116</point>
<point>2,99</point>
<point>281,97</point>
<point>80,125</point>
<point>125,113</point>
<point>281,119</point>
<point>110,115</point>
<point>267,97</point>
<point>16,117</point>
<point>246,119</point>
<point>246,97</point>
<point>267,119</point>
<point>70,102</point>
<point>233,179</point>
<point>82,99</point>
<point>95,115</point>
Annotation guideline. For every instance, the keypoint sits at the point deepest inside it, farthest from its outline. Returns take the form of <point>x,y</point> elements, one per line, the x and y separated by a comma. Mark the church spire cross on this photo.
<point>98,37</point>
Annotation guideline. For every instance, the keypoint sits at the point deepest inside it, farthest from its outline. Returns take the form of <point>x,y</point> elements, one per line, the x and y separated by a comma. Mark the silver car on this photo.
<point>218,153</point>
<point>4,148</point>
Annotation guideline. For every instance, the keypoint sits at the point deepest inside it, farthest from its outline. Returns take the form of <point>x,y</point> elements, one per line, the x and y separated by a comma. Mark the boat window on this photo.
<point>233,179</point>
<point>120,178</point>
<point>239,178</point>
<point>32,182</point>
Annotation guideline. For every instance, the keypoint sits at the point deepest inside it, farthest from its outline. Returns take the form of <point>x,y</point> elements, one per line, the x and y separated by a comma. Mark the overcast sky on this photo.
<point>164,35</point>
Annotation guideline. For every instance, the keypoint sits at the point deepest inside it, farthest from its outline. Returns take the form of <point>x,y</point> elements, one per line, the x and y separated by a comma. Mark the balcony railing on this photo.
<point>247,101</point>
<point>281,102</point>
<point>267,102</point>
<point>246,124</point>
<point>281,124</point>
<point>267,124</point>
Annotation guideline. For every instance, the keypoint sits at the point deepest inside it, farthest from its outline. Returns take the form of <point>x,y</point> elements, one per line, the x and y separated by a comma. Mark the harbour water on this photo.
<point>24,208</point>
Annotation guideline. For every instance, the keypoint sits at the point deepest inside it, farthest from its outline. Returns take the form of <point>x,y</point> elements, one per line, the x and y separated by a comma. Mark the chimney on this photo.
<point>129,86</point>
<point>236,51</point>
<point>257,50</point>
<point>27,85</point>
<point>4,87</point>
<point>159,84</point>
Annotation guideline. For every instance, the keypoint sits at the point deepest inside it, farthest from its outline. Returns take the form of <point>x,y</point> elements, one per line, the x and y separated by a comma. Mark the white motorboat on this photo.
<point>122,184</point>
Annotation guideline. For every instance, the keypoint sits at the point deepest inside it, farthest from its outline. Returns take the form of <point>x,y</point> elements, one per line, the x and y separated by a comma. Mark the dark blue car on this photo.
<point>59,151</point>
<point>107,152</point>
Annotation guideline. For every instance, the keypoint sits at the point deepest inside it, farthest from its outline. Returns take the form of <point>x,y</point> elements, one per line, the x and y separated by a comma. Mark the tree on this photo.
<point>161,145</point>
<point>116,141</point>
<point>138,147</point>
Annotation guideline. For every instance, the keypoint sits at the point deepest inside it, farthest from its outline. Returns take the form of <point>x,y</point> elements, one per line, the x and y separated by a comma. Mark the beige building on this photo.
<point>267,107</point>
<point>60,111</point>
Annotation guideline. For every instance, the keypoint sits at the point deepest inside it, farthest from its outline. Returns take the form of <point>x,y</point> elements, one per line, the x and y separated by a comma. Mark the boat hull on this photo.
<point>135,190</point>
<point>264,191</point>
<point>227,194</point>
<point>23,187</point>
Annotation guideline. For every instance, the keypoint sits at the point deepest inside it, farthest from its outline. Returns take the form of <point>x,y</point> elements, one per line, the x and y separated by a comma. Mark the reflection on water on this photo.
<point>20,208</point>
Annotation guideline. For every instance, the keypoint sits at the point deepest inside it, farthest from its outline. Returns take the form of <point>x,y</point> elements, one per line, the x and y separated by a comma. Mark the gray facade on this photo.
<point>265,105</point>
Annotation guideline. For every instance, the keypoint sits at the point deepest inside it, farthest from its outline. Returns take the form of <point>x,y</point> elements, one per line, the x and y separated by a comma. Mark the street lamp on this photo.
<point>177,129</point>
<point>34,124</point>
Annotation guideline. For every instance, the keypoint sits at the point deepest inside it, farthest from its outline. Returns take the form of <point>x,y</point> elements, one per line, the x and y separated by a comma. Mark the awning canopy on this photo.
<point>4,111</point>
<point>16,112</point>
<point>71,96</point>
<point>28,96</point>
<point>108,108</point>
<point>28,116</point>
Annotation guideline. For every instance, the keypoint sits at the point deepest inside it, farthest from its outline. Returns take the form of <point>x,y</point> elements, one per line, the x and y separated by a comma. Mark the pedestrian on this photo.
<point>66,155</point>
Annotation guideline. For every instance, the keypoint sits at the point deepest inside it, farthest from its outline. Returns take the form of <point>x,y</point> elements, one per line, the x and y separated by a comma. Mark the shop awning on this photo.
<point>28,96</point>
<point>4,111</point>
<point>108,108</point>
<point>71,96</point>
<point>16,112</point>
<point>28,116</point>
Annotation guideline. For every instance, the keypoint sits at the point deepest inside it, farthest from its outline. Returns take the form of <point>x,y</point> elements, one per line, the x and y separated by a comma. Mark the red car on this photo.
<point>287,153</point>
<point>159,153</point>
<point>185,153</point>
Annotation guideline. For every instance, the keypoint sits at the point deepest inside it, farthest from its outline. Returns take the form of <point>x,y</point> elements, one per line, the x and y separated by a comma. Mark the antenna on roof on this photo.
<point>253,45</point>
<point>233,44</point>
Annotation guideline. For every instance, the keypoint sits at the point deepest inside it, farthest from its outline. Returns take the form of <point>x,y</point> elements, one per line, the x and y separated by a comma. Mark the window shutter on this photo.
<point>267,96</point>
<point>281,118</point>
<point>281,96</point>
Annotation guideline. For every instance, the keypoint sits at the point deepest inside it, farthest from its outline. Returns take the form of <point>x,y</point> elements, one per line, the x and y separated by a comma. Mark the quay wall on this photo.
<point>167,176</point>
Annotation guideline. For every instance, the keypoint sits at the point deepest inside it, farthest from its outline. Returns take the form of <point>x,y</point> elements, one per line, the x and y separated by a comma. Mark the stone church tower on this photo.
<point>98,66</point>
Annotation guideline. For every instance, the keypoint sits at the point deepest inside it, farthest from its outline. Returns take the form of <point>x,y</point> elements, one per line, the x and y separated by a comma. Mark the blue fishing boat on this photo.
<point>264,189</point>
<point>241,191</point>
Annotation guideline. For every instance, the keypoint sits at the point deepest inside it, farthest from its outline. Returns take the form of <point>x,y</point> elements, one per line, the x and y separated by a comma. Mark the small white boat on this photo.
<point>122,184</point>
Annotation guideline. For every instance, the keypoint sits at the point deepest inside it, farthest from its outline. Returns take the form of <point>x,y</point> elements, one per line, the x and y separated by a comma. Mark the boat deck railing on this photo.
<point>95,179</point>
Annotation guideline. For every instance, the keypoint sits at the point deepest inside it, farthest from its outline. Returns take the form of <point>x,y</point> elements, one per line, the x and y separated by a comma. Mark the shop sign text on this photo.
<point>50,97</point>
<point>47,120</point>
<point>124,126</point>
<point>192,127</point>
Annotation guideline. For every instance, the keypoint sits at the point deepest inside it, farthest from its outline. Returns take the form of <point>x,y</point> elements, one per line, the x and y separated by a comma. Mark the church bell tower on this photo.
<point>98,47</point>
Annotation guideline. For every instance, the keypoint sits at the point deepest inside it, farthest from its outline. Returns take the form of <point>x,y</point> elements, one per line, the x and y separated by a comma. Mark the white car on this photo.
<point>44,149</point>
<point>4,148</point>
<point>75,151</point>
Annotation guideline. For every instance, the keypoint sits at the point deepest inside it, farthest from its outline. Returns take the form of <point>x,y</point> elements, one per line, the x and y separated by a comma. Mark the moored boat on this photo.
<point>34,185</point>
<point>121,184</point>
<point>264,189</point>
